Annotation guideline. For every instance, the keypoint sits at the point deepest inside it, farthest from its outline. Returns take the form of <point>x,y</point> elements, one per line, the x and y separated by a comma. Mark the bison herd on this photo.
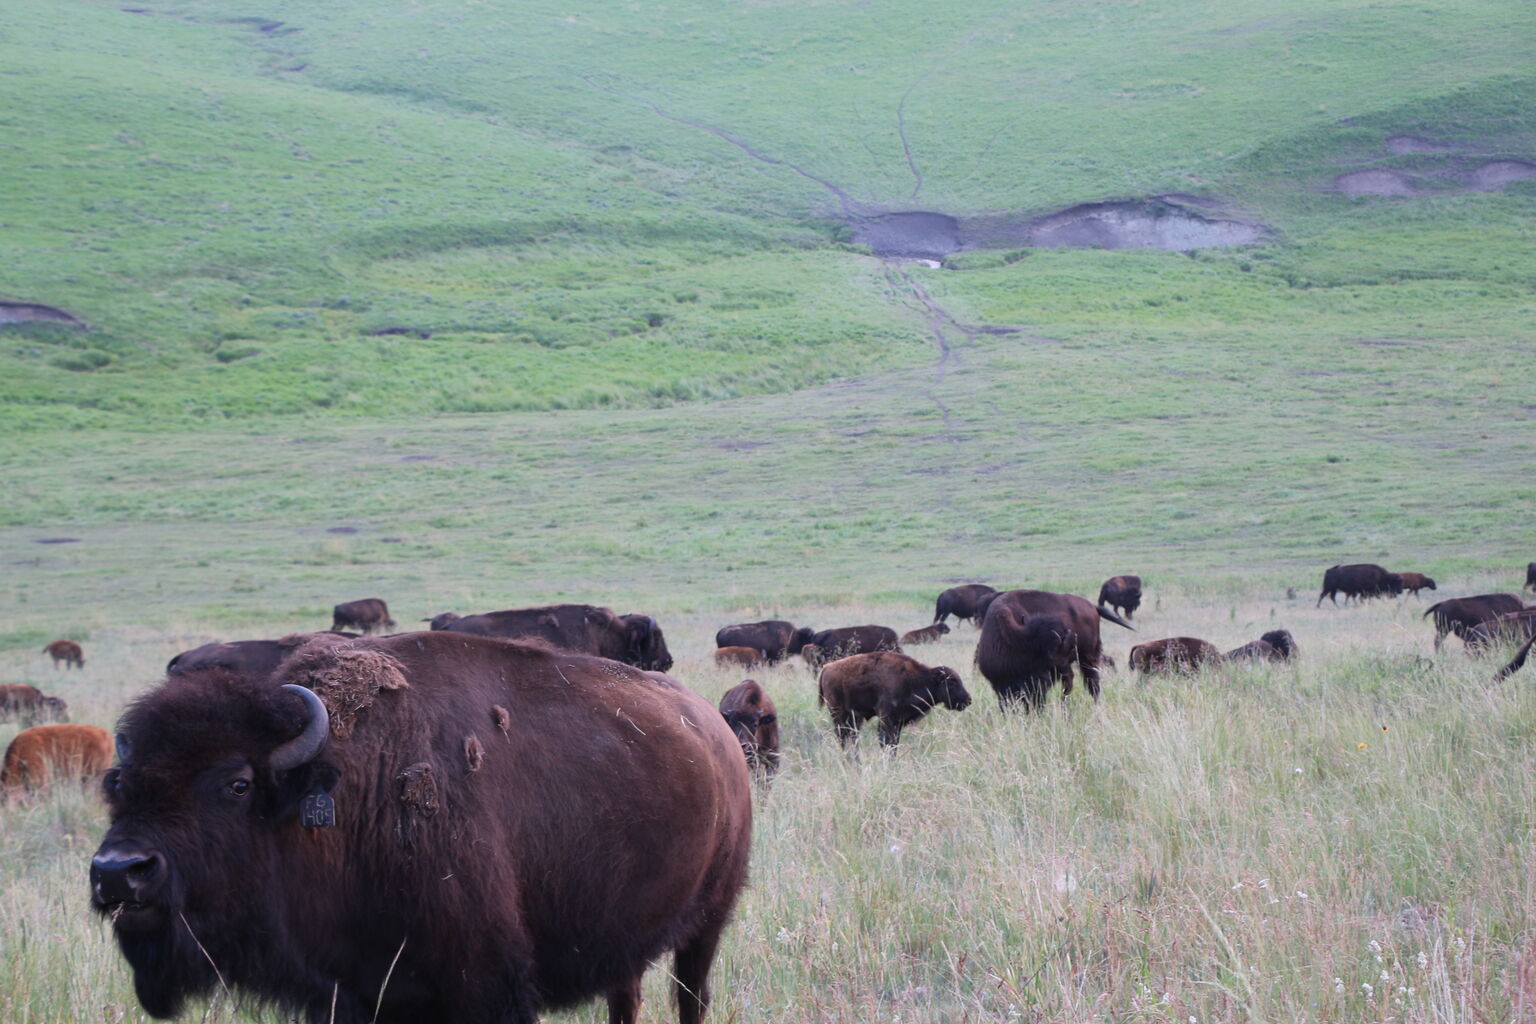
<point>517,811</point>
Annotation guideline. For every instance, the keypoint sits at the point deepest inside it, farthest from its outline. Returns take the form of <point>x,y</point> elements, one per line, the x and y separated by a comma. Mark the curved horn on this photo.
<point>124,749</point>
<point>303,747</point>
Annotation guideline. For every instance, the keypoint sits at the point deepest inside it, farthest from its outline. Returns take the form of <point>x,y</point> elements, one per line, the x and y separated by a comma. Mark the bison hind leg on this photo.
<point>690,969</point>
<point>624,1002</point>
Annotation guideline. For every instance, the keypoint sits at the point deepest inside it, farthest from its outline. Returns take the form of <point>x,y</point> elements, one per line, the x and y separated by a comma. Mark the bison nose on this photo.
<point>125,874</point>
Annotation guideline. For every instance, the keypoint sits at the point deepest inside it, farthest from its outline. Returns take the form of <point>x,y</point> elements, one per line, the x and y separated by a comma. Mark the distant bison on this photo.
<point>966,603</point>
<point>45,754</point>
<point>1184,654</point>
<point>1276,645</point>
<point>1122,593</point>
<point>1022,662</point>
<point>742,657</point>
<point>1416,581</point>
<point>926,635</point>
<point>65,652</point>
<point>580,628</point>
<point>831,644</point>
<point>752,717</point>
<point>1360,581</point>
<point>1530,577</point>
<point>365,615</point>
<point>26,704</point>
<point>891,687</point>
<point>1459,614</point>
<point>775,638</point>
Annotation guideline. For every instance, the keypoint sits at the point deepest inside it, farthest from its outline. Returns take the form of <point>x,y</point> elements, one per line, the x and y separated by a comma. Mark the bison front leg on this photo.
<point>890,732</point>
<point>846,727</point>
<point>624,1002</point>
<point>690,968</point>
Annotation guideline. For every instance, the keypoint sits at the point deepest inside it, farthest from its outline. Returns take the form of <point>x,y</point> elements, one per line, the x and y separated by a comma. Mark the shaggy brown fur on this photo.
<point>1416,581</point>
<point>750,713</point>
<point>888,686</point>
<point>926,635</point>
<point>1183,654</point>
<point>1459,614</point>
<point>741,657</point>
<point>580,628</point>
<point>44,754</point>
<point>1122,593</point>
<point>1021,665</point>
<point>365,615</point>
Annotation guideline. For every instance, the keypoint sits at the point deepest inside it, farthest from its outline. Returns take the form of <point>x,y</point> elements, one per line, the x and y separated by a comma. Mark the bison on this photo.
<point>755,721</point>
<point>1022,664</point>
<point>1515,626</point>
<point>1184,654</point>
<point>775,638</point>
<point>1359,581</point>
<point>889,686</point>
<point>831,644</point>
<point>580,628</point>
<point>426,827</point>
<point>66,653</point>
<point>740,657</point>
<point>1276,645</point>
<point>257,658</point>
<point>967,603</point>
<point>26,704</point>
<point>1530,577</point>
<point>926,635</point>
<point>1416,581</point>
<point>365,615</point>
<point>1122,593</point>
<point>43,754</point>
<point>1459,614</point>
<point>1518,662</point>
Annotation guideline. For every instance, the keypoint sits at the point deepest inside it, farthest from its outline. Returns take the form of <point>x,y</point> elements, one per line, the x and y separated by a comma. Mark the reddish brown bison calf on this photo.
<point>1417,581</point>
<point>744,657</point>
<point>65,652</point>
<point>926,635</point>
<point>45,753</point>
<point>1174,654</point>
<point>755,721</point>
<point>24,703</point>
<point>364,615</point>
<point>888,686</point>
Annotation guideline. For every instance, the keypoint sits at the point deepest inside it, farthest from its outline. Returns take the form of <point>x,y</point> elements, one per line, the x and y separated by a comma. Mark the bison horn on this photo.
<point>303,747</point>
<point>124,749</point>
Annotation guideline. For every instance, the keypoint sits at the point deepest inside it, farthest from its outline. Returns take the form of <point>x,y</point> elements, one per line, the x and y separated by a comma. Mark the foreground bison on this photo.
<point>45,754</point>
<point>1181,654</point>
<point>752,717</point>
<point>887,686</point>
<point>968,603</point>
<point>775,638</point>
<point>580,628</point>
<point>66,653</point>
<point>1022,661</point>
<point>365,616</point>
<point>255,658</point>
<point>26,704</point>
<point>1359,581</point>
<point>516,830</point>
<point>1122,593</point>
<point>1459,614</point>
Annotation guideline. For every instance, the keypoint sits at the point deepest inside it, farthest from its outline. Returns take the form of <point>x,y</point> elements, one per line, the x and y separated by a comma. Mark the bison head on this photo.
<point>644,646</point>
<point>211,769</point>
<point>55,709</point>
<point>1051,644</point>
<point>947,689</point>
<point>801,637</point>
<point>441,620</point>
<point>745,722</point>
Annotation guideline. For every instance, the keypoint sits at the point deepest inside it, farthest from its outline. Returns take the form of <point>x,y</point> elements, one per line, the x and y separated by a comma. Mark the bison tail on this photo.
<point>1105,613</point>
<point>1431,610</point>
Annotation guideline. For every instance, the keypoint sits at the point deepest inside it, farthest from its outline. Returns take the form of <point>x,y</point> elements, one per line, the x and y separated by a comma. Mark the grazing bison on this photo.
<point>966,603</point>
<point>1276,645</point>
<point>515,830</point>
<point>1022,664</point>
<point>831,644</point>
<point>255,658</point>
<point>1184,654</point>
<point>1122,593</point>
<point>365,616</point>
<point>741,657</point>
<point>775,638</point>
<point>65,652</point>
<point>1459,614</point>
<point>888,686</point>
<point>1416,581</point>
<point>580,628</point>
<point>1360,582</point>
<point>26,704</point>
<point>43,754</point>
<point>926,635</point>
<point>755,721</point>
<point>1515,626</point>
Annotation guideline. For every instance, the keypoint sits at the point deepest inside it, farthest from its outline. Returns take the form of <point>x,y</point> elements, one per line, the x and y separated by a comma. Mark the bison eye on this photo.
<point>238,787</point>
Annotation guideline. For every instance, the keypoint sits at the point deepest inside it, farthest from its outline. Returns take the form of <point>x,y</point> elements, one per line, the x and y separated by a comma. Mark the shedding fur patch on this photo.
<point>474,753</point>
<point>347,680</point>
<point>503,719</point>
<point>418,788</point>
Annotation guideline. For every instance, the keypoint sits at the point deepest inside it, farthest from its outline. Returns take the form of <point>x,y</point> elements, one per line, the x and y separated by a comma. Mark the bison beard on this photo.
<point>608,822</point>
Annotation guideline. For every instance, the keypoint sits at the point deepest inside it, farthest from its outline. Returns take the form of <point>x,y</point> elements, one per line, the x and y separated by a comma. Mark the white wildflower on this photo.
<point>1423,960</point>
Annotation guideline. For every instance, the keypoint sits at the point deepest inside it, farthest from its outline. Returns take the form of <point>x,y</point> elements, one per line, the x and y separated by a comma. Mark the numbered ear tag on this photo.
<point>317,810</point>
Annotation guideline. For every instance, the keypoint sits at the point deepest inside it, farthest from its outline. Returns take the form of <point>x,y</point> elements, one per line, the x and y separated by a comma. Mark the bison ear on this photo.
<point>294,785</point>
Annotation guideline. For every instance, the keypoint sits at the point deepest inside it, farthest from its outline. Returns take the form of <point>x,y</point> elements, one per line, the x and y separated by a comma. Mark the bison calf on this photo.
<point>755,721</point>
<point>745,657</point>
<point>1122,593</point>
<point>24,703</point>
<point>1416,581</point>
<point>65,652</point>
<point>926,635</point>
<point>1174,654</point>
<point>365,615</point>
<point>1276,645</point>
<point>44,754</point>
<point>888,686</point>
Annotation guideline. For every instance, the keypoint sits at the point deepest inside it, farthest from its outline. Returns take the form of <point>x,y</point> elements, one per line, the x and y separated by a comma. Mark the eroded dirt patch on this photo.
<point>912,235</point>
<point>1376,181</point>
<point>33,312</point>
<point>1143,224</point>
<point>1499,173</point>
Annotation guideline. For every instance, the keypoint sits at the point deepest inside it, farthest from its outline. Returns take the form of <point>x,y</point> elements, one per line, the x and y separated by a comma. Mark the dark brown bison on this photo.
<point>755,721</point>
<point>1122,593</point>
<point>775,638</point>
<point>1511,626</point>
<point>580,628</point>
<point>1276,645</point>
<point>66,653</point>
<point>1530,577</point>
<point>1518,662</point>
<point>831,644</point>
<point>1459,614</point>
<point>26,704</point>
<point>365,615</point>
<point>889,686</point>
<point>43,754</point>
<point>966,603</point>
<point>1185,654</point>
<point>1021,664</point>
<point>515,830</point>
<point>1359,581</point>
<point>255,658</point>
<point>739,657</point>
<point>926,635</point>
<point>1416,581</point>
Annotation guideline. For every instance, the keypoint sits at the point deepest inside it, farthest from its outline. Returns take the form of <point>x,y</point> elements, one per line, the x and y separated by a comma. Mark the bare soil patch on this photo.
<point>1499,173</point>
<point>1140,224</point>
<point>911,235</point>
<point>31,312</point>
<point>1376,181</point>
